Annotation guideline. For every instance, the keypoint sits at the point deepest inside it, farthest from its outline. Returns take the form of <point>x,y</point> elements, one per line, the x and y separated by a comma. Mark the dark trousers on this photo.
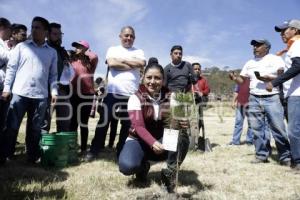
<point>113,126</point>
<point>113,131</point>
<point>110,104</point>
<point>136,152</point>
<point>4,105</point>
<point>63,111</point>
<point>200,115</point>
<point>35,109</point>
<point>81,107</point>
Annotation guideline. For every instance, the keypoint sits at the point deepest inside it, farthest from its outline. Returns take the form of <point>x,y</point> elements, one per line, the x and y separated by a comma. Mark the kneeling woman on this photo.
<point>149,109</point>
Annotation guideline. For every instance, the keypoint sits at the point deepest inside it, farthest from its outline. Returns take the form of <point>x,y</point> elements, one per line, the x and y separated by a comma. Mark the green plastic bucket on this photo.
<point>72,146</point>
<point>54,150</point>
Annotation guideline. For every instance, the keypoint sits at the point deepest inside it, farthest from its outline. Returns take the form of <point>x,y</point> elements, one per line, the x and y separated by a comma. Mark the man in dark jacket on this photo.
<point>62,108</point>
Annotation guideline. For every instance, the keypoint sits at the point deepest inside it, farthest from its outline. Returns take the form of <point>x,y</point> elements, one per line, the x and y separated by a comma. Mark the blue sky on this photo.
<point>212,32</point>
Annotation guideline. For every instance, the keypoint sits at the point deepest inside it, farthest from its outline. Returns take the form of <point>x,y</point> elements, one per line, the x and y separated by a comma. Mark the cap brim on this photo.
<point>76,44</point>
<point>280,28</point>
<point>254,42</point>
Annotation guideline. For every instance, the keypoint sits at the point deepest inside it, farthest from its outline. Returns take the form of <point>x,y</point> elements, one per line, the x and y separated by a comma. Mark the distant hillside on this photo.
<point>220,84</point>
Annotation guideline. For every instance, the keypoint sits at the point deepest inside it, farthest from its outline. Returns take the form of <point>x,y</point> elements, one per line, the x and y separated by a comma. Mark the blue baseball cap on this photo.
<point>261,41</point>
<point>294,23</point>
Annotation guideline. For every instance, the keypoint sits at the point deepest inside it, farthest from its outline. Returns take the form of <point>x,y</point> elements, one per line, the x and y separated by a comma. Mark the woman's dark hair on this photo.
<point>152,60</point>
<point>154,66</point>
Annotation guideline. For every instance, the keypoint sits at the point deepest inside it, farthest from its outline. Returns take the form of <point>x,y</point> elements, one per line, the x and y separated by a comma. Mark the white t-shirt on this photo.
<point>267,65</point>
<point>135,104</point>
<point>293,52</point>
<point>287,84</point>
<point>124,82</point>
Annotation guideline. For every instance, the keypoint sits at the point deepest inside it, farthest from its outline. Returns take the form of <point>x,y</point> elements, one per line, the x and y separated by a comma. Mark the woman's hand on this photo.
<point>157,147</point>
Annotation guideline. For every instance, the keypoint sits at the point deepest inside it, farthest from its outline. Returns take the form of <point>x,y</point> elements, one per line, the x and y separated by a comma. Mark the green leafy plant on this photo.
<point>183,105</point>
<point>181,108</point>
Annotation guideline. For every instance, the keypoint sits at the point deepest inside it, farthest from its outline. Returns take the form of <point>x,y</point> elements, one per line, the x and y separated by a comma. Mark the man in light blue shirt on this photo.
<point>31,68</point>
<point>5,33</point>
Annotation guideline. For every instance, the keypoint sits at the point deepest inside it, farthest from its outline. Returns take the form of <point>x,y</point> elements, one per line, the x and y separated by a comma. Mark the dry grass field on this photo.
<point>224,173</point>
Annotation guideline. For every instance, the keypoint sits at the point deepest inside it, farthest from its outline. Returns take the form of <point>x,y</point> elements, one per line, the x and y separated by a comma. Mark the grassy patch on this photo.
<point>225,173</point>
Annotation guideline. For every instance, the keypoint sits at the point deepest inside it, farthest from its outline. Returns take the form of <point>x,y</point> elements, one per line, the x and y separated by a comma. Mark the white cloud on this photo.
<point>98,22</point>
<point>204,36</point>
<point>113,15</point>
<point>204,39</point>
<point>203,61</point>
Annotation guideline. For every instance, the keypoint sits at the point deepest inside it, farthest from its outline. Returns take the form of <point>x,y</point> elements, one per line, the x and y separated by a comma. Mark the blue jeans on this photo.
<point>133,156</point>
<point>240,114</point>
<point>136,152</point>
<point>35,109</point>
<point>110,103</point>
<point>270,109</point>
<point>294,127</point>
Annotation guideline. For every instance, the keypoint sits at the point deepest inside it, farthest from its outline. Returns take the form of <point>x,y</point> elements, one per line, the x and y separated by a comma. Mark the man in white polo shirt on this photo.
<point>124,63</point>
<point>263,104</point>
<point>290,33</point>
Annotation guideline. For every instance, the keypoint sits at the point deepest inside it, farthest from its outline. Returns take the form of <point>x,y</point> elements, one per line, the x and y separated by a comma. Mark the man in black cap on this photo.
<point>263,104</point>
<point>290,34</point>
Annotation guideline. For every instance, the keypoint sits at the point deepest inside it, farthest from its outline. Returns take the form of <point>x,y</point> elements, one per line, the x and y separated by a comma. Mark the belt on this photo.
<point>264,96</point>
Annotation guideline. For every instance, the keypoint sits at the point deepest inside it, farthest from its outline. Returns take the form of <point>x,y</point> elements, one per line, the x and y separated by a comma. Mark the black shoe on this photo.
<point>296,167</point>
<point>286,162</point>
<point>82,153</point>
<point>32,160</point>
<point>142,175</point>
<point>168,180</point>
<point>2,161</point>
<point>257,160</point>
<point>89,157</point>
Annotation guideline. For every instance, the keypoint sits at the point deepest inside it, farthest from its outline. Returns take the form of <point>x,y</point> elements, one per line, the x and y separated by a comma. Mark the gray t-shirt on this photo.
<point>179,78</point>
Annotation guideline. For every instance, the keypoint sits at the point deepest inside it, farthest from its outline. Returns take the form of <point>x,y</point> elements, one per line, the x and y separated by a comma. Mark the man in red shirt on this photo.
<point>201,90</point>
